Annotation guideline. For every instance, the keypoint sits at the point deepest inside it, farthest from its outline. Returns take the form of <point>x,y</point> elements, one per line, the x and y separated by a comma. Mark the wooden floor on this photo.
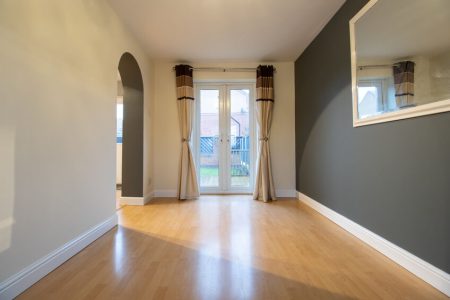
<point>228,248</point>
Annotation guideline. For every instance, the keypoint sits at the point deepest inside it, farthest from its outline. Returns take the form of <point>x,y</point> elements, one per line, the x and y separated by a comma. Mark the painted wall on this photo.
<point>133,127</point>
<point>392,178</point>
<point>58,93</point>
<point>167,132</point>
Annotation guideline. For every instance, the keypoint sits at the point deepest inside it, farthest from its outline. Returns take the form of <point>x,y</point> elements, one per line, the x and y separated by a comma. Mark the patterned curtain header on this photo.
<point>184,82</point>
<point>264,83</point>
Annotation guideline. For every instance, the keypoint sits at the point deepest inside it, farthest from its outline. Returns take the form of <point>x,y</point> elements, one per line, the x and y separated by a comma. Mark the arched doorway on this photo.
<point>132,91</point>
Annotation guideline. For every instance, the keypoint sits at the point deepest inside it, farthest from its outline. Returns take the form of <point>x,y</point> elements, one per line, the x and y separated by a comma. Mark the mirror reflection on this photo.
<point>402,55</point>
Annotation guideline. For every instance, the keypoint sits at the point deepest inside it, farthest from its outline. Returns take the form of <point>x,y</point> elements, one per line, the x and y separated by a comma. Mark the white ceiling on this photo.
<point>393,30</point>
<point>225,30</point>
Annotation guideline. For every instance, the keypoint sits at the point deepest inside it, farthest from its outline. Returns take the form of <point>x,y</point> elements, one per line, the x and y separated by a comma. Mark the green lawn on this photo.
<point>209,176</point>
<point>209,171</point>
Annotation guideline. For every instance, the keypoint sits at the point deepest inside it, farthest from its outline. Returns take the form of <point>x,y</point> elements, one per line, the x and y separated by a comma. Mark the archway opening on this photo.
<point>130,143</point>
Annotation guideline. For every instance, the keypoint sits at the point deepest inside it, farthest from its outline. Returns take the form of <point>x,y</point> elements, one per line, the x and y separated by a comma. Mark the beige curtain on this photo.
<point>187,183</point>
<point>264,188</point>
<point>404,83</point>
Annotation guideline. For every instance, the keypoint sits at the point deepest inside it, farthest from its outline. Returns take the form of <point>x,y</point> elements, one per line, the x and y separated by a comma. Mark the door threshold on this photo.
<point>225,193</point>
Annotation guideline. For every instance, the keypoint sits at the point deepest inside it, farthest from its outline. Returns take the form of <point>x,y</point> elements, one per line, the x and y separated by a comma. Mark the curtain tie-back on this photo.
<point>264,139</point>
<point>185,140</point>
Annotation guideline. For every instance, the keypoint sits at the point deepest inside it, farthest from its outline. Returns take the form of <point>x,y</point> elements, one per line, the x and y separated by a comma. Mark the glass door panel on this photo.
<point>224,137</point>
<point>239,142</point>
<point>209,145</point>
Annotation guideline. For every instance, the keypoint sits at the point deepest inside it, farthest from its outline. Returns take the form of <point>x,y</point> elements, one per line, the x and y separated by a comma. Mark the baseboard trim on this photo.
<point>422,269</point>
<point>282,193</point>
<point>148,197</point>
<point>139,201</point>
<point>19,282</point>
<point>165,194</point>
<point>285,193</point>
<point>132,201</point>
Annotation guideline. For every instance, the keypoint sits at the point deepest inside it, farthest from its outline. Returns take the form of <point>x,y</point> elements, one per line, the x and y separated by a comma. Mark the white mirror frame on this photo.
<point>412,112</point>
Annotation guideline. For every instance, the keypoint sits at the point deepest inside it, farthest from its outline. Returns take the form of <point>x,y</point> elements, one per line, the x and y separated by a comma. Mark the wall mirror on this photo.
<point>400,51</point>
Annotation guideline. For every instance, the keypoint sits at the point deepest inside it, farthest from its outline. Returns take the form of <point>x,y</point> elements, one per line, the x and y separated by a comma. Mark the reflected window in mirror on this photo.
<point>375,96</point>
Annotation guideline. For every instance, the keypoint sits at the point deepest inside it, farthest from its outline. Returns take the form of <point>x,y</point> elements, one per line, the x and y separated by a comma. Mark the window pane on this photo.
<point>369,99</point>
<point>209,138</point>
<point>240,138</point>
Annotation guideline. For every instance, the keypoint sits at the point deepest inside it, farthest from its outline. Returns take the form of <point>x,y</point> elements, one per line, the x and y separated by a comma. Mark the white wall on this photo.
<point>432,78</point>
<point>422,80</point>
<point>440,74</point>
<point>166,130</point>
<point>58,80</point>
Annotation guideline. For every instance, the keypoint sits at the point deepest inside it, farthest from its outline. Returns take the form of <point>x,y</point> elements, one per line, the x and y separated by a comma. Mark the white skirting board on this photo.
<point>422,269</point>
<point>165,194</point>
<point>136,200</point>
<point>282,193</point>
<point>173,193</point>
<point>19,282</point>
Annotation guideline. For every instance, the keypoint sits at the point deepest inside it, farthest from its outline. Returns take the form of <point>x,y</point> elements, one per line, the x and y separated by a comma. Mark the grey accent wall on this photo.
<point>392,178</point>
<point>133,127</point>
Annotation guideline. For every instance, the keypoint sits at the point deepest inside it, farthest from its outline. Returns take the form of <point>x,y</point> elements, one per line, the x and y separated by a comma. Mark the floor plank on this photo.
<point>228,247</point>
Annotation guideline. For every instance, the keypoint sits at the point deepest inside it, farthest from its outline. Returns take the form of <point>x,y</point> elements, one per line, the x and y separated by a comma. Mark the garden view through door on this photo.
<point>224,137</point>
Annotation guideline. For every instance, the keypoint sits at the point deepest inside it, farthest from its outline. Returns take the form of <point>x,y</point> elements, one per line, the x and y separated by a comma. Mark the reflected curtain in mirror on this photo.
<point>404,83</point>
<point>264,187</point>
<point>187,182</point>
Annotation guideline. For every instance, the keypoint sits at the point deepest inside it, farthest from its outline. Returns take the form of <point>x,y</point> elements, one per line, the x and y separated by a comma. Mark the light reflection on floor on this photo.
<point>119,253</point>
<point>228,248</point>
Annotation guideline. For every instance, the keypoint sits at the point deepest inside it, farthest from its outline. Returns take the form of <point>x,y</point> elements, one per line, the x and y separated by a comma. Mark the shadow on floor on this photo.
<point>127,264</point>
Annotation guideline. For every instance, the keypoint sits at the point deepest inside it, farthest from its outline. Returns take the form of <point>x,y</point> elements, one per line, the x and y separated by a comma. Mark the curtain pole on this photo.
<point>220,69</point>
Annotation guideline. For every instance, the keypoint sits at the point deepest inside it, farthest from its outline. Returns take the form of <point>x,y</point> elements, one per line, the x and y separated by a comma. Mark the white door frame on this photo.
<point>224,88</point>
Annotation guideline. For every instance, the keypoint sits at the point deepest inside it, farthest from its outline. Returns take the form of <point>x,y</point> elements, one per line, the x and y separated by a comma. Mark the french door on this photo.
<point>224,137</point>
